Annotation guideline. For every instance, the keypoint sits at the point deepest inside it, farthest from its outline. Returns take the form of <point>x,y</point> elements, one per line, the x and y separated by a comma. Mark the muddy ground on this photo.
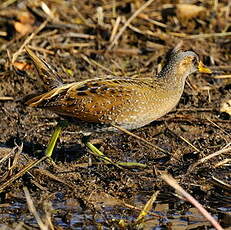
<point>78,190</point>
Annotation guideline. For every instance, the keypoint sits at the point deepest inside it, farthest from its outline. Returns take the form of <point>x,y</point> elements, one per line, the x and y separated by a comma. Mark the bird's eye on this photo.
<point>195,61</point>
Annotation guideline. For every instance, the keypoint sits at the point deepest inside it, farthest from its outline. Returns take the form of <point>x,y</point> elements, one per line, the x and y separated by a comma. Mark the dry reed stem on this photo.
<point>173,183</point>
<point>33,210</point>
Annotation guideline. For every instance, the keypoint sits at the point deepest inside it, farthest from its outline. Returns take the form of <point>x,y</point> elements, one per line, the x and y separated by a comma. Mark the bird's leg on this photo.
<point>50,148</point>
<point>97,153</point>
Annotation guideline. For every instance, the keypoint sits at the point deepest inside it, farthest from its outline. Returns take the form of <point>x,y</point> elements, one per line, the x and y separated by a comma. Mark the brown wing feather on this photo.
<point>91,100</point>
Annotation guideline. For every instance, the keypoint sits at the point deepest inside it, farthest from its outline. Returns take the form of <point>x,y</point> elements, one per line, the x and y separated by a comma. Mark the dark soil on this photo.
<point>77,190</point>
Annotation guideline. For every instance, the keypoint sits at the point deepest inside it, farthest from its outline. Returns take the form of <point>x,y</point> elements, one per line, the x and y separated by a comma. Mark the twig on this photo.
<point>141,139</point>
<point>137,12</point>
<point>74,44</point>
<point>20,173</point>
<point>198,36</point>
<point>185,140</point>
<point>16,54</point>
<point>41,49</point>
<point>222,151</point>
<point>92,62</point>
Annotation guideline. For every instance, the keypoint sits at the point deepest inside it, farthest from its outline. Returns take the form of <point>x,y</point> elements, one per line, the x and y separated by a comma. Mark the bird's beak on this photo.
<point>203,69</point>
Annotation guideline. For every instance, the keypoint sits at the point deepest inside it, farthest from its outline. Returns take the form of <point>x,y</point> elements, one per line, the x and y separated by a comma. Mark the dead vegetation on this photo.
<point>85,39</point>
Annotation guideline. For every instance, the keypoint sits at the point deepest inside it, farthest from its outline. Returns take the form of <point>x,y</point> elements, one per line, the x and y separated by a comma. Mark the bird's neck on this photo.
<point>171,79</point>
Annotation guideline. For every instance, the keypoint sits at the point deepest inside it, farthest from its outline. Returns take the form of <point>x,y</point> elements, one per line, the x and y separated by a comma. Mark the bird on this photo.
<point>129,103</point>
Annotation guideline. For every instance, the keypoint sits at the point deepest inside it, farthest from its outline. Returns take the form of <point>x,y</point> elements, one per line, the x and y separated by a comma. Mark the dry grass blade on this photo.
<point>115,28</point>
<point>48,211</point>
<point>128,22</point>
<point>6,98</point>
<point>32,209</point>
<point>189,143</point>
<point>141,139</point>
<point>12,157</point>
<point>173,183</point>
<point>7,3</point>
<point>222,76</point>
<point>21,173</point>
<point>41,50</point>
<point>145,17</point>
<point>72,45</point>
<point>204,159</point>
<point>11,152</point>
<point>16,157</point>
<point>85,21</point>
<point>147,207</point>
<point>185,140</point>
<point>221,163</point>
<point>94,63</point>
<point>222,183</point>
<point>53,177</point>
<point>213,123</point>
<point>200,36</point>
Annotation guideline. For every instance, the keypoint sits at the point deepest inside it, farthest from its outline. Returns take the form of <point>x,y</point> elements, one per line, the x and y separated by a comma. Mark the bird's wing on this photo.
<point>90,100</point>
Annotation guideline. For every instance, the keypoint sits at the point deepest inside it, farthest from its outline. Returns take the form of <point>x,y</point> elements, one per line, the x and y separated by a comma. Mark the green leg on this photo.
<point>96,152</point>
<point>54,138</point>
<point>100,155</point>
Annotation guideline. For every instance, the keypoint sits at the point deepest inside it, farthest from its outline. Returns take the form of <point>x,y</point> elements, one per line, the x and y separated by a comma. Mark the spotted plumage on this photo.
<point>129,103</point>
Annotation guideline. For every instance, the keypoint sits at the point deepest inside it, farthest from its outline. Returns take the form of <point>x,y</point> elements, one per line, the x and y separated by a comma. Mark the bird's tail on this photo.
<point>46,72</point>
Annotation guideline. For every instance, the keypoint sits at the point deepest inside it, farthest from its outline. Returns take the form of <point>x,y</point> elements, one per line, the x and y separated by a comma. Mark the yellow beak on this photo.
<point>203,69</point>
